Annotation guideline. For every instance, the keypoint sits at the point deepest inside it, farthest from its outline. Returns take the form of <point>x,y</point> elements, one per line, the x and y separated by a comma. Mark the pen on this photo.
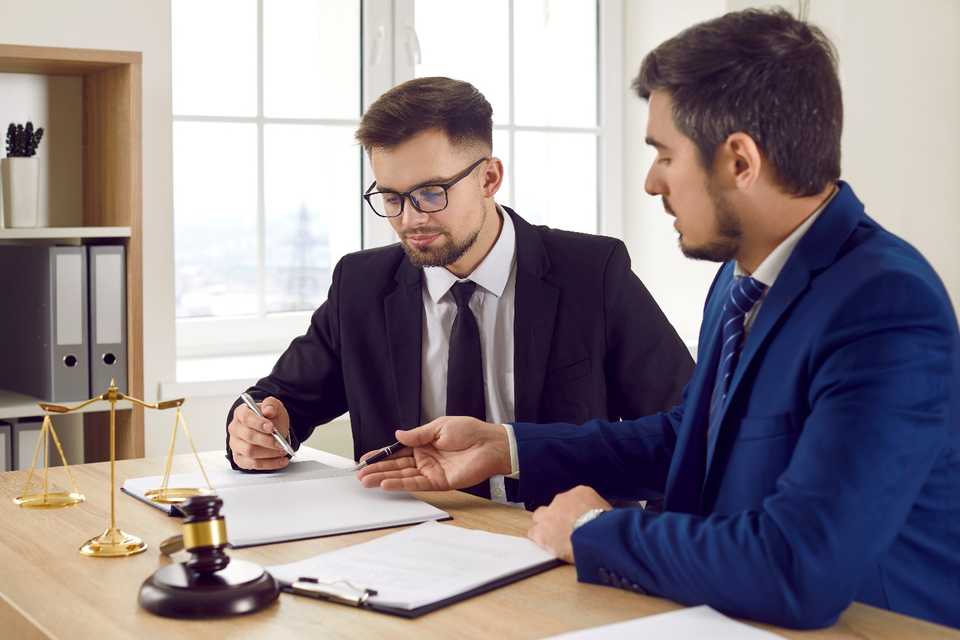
<point>386,452</point>
<point>247,400</point>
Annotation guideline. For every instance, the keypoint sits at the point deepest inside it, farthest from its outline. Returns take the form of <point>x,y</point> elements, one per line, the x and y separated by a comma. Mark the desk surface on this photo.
<point>47,589</point>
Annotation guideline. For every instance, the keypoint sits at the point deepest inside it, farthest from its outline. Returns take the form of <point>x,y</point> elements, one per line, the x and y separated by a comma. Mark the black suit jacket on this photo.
<point>589,342</point>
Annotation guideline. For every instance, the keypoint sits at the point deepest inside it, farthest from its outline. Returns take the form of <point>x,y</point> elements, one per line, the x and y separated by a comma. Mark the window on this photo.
<point>266,171</point>
<point>536,62</point>
<point>267,176</point>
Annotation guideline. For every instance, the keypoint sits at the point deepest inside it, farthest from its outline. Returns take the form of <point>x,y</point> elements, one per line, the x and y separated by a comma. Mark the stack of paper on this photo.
<point>227,478</point>
<point>307,500</point>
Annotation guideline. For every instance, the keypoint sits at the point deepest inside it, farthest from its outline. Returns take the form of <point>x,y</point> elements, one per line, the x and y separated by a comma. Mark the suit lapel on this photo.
<point>685,479</point>
<point>403,313</point>
<point>535,307</point>
<point>815,251</point>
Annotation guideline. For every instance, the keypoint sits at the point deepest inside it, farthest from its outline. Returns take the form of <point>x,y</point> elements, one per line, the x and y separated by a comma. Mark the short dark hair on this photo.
<point>763,73</point>
<point>453,106</point>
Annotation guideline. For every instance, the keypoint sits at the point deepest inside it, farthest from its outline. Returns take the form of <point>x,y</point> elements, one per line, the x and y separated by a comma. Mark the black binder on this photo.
<point>344,592</point>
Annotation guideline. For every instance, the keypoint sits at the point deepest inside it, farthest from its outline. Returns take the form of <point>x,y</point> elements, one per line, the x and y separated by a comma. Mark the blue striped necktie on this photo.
<point>744,294</point>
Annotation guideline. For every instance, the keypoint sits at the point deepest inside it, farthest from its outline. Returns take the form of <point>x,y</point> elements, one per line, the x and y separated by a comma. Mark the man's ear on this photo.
<point>738,161</point>
<point>491,177</point>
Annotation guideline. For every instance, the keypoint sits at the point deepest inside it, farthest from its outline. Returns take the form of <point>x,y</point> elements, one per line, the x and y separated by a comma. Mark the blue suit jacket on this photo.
<point>836,472</point>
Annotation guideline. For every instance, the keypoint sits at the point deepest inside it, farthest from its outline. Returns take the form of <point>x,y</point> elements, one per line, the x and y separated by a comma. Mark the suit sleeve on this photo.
<point>307,378</point>
<point>646,363</point>
<point>883,380</point>
<point>625,460</point>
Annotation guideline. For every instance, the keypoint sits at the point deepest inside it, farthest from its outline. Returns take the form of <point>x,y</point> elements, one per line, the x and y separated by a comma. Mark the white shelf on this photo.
<point>17,405</point>
<point>54,233</point>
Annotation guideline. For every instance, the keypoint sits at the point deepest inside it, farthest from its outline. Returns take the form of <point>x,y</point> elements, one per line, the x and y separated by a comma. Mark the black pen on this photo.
<point>386,452</point>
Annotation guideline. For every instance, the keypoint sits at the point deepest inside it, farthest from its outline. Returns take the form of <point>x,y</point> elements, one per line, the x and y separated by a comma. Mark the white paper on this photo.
<point>421,565</point>
<point>319,506</point>
<point>694,623</point>
<point>224,478</point>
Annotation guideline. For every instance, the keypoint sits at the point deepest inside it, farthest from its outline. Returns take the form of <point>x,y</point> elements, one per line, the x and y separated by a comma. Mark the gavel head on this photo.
<point>205,534</point>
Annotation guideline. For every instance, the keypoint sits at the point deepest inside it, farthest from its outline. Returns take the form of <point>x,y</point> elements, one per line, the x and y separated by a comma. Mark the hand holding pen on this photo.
<point>256,435</point>
<point>247,400</point>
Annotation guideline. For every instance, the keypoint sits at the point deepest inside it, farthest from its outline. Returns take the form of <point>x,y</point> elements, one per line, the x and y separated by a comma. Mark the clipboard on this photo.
<point>344,592</point>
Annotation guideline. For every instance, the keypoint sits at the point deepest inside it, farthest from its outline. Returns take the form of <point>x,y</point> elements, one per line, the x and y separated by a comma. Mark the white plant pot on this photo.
<point>21,191</point>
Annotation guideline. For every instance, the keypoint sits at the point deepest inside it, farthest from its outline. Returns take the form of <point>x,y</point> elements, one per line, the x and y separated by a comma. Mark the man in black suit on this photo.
<point>475,311</point>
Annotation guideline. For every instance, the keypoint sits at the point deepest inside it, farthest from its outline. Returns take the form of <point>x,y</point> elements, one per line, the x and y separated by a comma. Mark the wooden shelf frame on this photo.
<point>112,194</point>
<point>65,233</point>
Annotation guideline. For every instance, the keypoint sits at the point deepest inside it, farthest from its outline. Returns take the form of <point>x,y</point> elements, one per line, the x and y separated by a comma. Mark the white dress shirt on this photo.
<point>493,306</point>
<point>767,273</point>
<point>768,270</point>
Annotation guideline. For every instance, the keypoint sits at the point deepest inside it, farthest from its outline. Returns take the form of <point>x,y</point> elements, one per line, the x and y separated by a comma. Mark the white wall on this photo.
<point>54,103</point>
<point>676,283</point>
<point>135,26</point>
<point>900,71</point>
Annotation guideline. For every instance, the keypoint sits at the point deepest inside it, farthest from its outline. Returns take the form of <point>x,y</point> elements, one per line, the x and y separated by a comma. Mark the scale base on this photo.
<point>113,543</point>
<point>49,500</point>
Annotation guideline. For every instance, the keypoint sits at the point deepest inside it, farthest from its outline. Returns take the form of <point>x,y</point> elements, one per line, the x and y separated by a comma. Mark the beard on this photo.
<point>441,256</point>
<point>729,232</point>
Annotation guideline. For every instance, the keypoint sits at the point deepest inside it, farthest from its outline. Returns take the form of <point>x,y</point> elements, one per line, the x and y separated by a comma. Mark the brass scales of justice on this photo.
<point>113,542</point>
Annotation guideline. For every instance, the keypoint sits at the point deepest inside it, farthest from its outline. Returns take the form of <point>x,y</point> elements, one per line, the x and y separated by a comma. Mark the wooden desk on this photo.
<point>47,589</point>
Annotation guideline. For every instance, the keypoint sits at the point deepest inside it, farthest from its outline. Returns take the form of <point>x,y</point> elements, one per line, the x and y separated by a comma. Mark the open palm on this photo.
<point>448,453</point>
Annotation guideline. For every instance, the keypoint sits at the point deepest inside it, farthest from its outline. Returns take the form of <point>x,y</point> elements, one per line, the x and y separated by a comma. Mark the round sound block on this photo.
<point>177,592</point>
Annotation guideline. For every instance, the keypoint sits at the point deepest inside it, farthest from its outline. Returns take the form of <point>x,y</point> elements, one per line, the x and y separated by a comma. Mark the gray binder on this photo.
<point>6,446</point>
<point>26,435</point>
<point>108,318</point>
<point>43,330</point>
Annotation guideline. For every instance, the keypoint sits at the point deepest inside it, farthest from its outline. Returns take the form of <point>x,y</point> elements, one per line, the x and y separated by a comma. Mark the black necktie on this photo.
<point>465,395</point>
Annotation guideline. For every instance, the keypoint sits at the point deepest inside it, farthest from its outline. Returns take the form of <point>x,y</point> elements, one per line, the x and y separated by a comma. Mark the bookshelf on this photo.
<point>64,233</point>
<point>112,210</point>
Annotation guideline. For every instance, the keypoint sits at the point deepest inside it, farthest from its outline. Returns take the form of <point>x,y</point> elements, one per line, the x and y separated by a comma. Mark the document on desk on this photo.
<point>224,478</point>
<point>684,624</point>
<point>308,500</point>
<point>421,569</point>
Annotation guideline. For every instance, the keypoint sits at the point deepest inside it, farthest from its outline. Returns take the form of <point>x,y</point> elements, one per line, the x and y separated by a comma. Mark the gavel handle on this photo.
<point>171,545</point>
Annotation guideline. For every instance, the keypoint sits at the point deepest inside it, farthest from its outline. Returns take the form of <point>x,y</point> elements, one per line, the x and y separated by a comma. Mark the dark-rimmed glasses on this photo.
<point>425,198</point>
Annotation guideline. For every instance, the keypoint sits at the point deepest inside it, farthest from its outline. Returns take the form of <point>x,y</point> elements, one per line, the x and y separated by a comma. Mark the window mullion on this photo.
<point>261,197</point>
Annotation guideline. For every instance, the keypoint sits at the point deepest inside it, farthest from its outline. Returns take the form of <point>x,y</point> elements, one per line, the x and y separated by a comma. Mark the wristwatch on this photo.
<point>586,517</point>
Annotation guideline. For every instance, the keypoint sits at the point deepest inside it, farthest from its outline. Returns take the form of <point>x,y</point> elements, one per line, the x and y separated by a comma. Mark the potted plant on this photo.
<point>20,173</point>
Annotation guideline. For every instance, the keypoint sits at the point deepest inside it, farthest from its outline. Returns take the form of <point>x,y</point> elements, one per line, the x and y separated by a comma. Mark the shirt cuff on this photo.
<point>514,459</point>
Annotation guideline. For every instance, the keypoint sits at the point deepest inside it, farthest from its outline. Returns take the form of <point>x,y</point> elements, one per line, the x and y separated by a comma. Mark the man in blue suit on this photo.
<point>815,457</point>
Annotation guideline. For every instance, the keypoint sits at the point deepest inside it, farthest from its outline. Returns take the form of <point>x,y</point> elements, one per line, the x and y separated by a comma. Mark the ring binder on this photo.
<point>342,591</point>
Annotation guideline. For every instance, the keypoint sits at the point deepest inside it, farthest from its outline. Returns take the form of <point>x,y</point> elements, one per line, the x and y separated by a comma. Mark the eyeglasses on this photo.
<point>427,198</point>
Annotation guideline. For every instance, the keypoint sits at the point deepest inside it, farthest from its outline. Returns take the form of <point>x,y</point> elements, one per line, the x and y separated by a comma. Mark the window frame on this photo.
<point>389,45</point>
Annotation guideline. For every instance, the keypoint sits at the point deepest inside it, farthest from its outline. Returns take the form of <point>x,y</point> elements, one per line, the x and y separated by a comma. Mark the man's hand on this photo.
<point>553,525</point>
<point>250,440</point>
<point>448,453</point>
